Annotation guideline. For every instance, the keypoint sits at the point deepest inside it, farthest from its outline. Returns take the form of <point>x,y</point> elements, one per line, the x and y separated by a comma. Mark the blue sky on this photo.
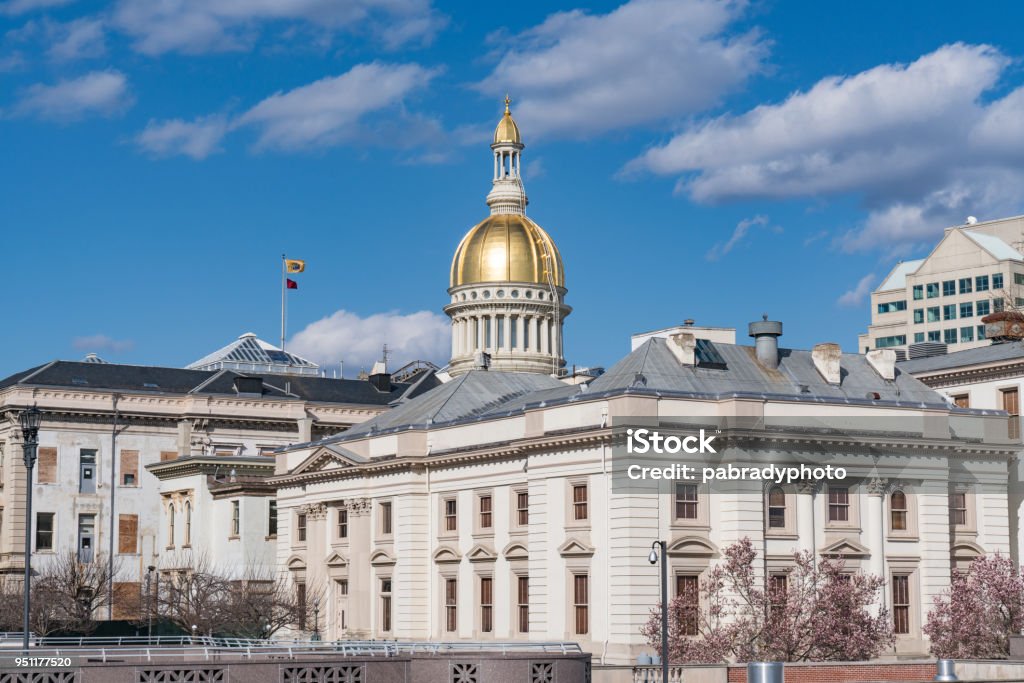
<point>691,159</point>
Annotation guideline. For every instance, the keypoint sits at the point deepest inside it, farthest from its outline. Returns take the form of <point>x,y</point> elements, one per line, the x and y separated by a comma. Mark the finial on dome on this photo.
<point>508,101</point>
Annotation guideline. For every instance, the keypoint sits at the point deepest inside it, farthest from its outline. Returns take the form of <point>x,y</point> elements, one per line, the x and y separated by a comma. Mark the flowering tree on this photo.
<point>816,612</point>
<point>982,609</point>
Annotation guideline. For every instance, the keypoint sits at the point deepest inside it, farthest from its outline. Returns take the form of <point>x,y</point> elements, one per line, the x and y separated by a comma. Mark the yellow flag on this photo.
<point>294,265</point>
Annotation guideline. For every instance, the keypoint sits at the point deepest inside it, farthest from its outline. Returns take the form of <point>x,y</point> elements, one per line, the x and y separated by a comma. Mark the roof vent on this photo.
<point>766,335</point>
<point>639,380</point>
<point>683,346</point>
<point>688,322</point>
<point>883,361</point>
<point>927,349</point>
<point>826,359</point>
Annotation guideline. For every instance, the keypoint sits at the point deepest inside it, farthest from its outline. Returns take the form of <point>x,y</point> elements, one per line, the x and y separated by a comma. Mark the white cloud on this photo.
<point>738,235</point>
<point>345,336</point>
<point>12,7</point>
<point>854,297</point>
<point>918,142</point>
<point>77,39</point>
<point>99,92</point>
<point>579,74</point>
<point>102,343</point>
<point>197,139</point>
<point>201,26</point>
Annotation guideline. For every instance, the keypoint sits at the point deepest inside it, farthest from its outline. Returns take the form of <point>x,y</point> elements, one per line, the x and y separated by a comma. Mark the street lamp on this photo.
<point>653,559</point>
<point>30,420</point>
<point>316,620</point>
<point>149,602</point>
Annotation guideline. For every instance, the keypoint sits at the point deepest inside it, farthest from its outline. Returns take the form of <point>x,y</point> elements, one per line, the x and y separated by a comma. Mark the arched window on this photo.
<point>776,508</point>
<point>898,510</point>
<point>188,522</point>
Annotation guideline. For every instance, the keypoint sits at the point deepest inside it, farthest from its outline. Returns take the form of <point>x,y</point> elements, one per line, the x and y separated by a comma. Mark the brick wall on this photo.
<point>847,672</point>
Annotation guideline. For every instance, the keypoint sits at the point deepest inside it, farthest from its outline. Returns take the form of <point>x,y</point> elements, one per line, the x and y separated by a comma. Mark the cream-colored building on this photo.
<point>974,270</point>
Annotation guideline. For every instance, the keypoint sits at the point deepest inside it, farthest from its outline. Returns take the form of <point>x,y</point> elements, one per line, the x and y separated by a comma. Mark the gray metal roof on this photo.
<point>993,353</point>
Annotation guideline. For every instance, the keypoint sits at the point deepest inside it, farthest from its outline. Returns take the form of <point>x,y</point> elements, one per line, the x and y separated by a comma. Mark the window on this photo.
<point>886,342</point>
<point>385,519</point>
<point>1018,278</point>
<point>935,336</point>
<point>385,604</point>
<point>778,586</point>
<point>981,333</point>
<point>776,508</point>
<point>997,281</point>
<point>949,288</point>
<point>513,331</point>
<point>958,509</point>
<point>236,514</point>
<point>901,603</point>
<point>129,468</point>
<point>87,471</point>
<point>501,332</point>
<point>686,501</point>
<point>967,334</point>
<point>170,525</point>
<point>342,523</point>
<point>581,602</point>
<point>523,602</point>
<point>486,604</point>
<point>485,512</point>
<point>981,283</point>
<point>997,305</point>
<point>300,528</point>
<point>168,455</point>
<point>892,306</point>
<point>933,290</point>
<point>44,531</point>
<point>127,534</point>
<point>300,598</point>
<point>1018,301</point>
<point>918,292</point>
<point>46,466</point>
<point>688,588</point>
<point>451,605</point>
<point>188,522</point>
<point>86,536</point>
<point>949,312</point>
<point>898,511</point>
<point>965,285</point>
<point>523,508</point>
<point>933,314</point>
<point>579,505</point>
<point>838,504</point>
<point>272,518</point>
<point>962,400</point>
<point>967,310</point>
<point>451,514</point>
<point>982,308</point>
<point>918,337</point>
<point>918,316</point>
<point>949,336</point>
<point>1011,404</point>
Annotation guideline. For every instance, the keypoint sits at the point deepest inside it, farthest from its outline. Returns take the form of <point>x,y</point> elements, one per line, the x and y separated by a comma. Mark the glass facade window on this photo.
<point>967,310</point>
<point>933,314</point>
<point>886,342</point>
<point>981,333</point>
<point>965,285</point>
<point>949,336</point>
<point>949,288</point>
<point>918,316</point>
<point>949,312</point>
<point>918,337</point>
<point>997,281</point>
<point>933,290</point>
<point>892,306</point>
<point>918,292</point>
<point>1018,278</point>
<point>997,305</point>
<point>967,334</point>
<point>935,336</point>
<point>981,283</point>
<point>982,308</point>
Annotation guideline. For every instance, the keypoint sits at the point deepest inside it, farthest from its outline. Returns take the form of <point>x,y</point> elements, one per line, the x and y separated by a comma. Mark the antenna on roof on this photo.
<point>385,355</point>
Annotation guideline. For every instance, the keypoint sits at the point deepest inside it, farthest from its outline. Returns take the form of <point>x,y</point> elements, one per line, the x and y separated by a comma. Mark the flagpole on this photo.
<point>284,299</point>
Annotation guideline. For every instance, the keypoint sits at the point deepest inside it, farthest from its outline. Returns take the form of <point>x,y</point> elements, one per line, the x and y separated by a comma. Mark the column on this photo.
<point>480,333</point>
<point>493,321</point>
<point>532,324</point>
<point>873,521</point>
<point>467,337</point>
<point>805,493</point>
<point>507,332</point>
<point>495,165</point>
<point>521,332</point>
<point>544,322</point>
<point>455,337</point>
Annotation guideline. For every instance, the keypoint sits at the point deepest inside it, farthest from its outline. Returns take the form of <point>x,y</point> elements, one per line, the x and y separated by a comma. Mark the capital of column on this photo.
<point>877,486</point>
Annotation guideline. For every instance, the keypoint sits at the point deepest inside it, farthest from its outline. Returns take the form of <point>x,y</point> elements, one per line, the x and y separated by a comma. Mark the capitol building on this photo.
<point>487,506</point>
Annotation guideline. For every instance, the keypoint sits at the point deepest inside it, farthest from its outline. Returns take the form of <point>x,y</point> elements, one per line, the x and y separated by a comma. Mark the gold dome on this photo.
<point>507,130</point>
<point>506,248</point>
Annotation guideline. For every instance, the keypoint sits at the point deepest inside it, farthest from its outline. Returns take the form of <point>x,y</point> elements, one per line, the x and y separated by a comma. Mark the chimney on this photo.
<point>766,335</point>
<point>883,361</point>
<point>683,346</point>
<point>826,359</point>
<point>380,378</point>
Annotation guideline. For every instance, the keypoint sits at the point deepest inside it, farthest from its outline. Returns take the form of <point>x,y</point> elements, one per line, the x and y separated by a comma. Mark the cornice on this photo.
<point>960,376</point>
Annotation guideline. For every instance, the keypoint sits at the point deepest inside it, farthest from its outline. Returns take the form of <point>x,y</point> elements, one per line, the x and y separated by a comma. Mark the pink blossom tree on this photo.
<point>816,612</point>
<point>975,618</point>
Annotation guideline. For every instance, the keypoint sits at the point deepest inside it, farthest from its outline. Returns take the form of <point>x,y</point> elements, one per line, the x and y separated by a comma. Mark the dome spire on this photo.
<point>507,194</point>
<point>508,101</point>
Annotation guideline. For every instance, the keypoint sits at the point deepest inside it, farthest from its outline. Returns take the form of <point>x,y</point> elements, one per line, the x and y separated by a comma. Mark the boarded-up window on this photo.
<point>1011,404</point>
<point>127,534</point>
<point>47,466</point>
<point>129,468</point>
<point>168,455</point>
<point>127,600</point>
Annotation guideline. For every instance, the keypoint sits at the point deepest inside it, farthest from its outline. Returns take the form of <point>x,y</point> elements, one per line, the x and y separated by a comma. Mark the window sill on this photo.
<point>448,536</point>
<point>483,533</point>
<point>186,546</point>
<point>842,527</point>
<point>170,547</point>
<point>519,531</point>
<point>44,551</point>
<point>900,538</point>
<point>578,524</point>
<point>270,537</point>
<point>233,538</point>
<point>694,525</point>
<point>782,535</point>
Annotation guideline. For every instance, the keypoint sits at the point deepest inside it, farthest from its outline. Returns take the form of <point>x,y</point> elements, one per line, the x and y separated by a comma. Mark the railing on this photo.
<point>652,674</point>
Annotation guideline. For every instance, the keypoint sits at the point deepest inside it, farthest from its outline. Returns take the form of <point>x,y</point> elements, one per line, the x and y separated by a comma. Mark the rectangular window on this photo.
<point>981,333</point>
<point>935,336</point>
<point>949,288</point>
<point>87,471</point>
<point>962,400</point>
<point>997,305</point>
<point>687,587</point>
<point>1018,278</point>
<point>778,585</point>
<point>949,336</point>
<point>981,283</point>
<point>918,316</point>
<point>933,290</point>
<point>892,306</point>
<point>523,602</point>
<point>967,334</point>
<point>958,509</point>
<point>300,528</point>
<point>918,292</point>
<point>838,504</point>
<point>44,531</point>
<point>385,605</point>
<point>129,468</point>
<point>967,310</point>
<point>949,312</point>
<point>451,605</point>
<point>342,523</point>
<point>997,281</point>
<point>965,285</point>
<point>918,337</point>
<point>513,331</point>
<point>46,466</point>
<point>486,604</point>
<point>127,534</point>
<point>579,502</point>
<point>686,501</point>
<point>168,455</point>
<point>236,517</point>
<point>272,518</point>
<point>901,603</point>
<point>581,602</point>
<point>385,519</point>
<point>982,308</point>
<point>86,538</point>
<point>523,508</point>
<point>485,512</point>
<point>886,342</point>
<point>933,314</point>
<point>300,598</point>
<point>501,332</point>
<point>1011,404</point>
<point>451,515</point>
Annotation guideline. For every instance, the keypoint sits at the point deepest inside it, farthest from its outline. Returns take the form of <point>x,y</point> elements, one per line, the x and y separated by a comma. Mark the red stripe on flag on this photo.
<point>291,284</point>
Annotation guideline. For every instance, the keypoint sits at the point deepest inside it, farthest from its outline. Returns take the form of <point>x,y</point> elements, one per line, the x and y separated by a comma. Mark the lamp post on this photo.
<point>149,602</point>
<point>653,559</point>
<point>316,620</point>
<point>30,420</point>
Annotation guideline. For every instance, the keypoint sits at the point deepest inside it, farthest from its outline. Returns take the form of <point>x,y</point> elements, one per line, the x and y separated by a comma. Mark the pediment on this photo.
<point>575,548</point>
<point>296,563</point>
<point>447,555</point>
<point>967,550</point>
<point>336,560</point>
<point>845,548</point>
<point>325,459</point>
<point>482,553</point>
<point>515,551</point>
<point>382,558</point>
<point>692,546</point>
